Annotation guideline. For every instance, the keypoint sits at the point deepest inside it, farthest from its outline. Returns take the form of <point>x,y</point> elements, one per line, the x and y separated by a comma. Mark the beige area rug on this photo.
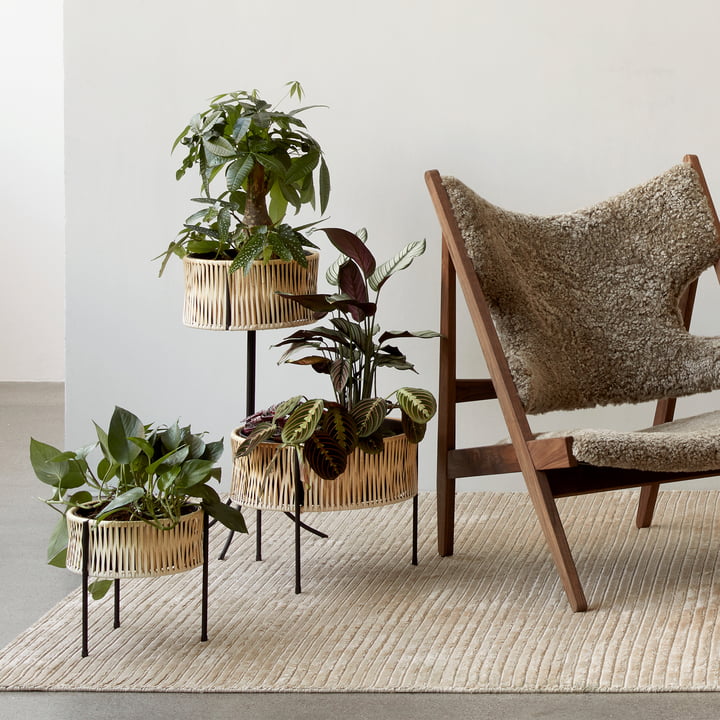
<point>492,618</point>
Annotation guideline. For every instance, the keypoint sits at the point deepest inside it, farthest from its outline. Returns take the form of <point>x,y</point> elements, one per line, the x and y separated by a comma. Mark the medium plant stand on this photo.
<point>271,478</point>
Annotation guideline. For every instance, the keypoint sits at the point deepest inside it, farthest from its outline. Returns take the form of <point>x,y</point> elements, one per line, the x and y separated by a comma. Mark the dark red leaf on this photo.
<point>352,246</point>
<point>352,283</point>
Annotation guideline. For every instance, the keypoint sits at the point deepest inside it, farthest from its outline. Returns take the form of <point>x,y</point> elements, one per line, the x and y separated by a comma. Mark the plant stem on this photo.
<point>256,212</point>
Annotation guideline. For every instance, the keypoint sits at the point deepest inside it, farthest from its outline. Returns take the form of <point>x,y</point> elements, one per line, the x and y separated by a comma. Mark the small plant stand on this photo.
<point>107,550</point>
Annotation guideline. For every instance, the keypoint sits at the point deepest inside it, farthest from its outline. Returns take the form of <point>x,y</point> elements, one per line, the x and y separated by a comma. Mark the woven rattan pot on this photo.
<point>368,481</point>
<point>133,549</point>
<point>216,300</point>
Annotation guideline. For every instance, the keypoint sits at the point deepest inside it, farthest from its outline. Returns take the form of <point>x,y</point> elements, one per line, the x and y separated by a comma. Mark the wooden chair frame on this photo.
<point>548,467</point>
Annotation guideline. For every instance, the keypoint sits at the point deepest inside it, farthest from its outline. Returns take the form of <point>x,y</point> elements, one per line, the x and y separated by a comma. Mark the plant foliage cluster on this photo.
<point>350,349</point>
<point>145,472</point>
<point>270,163</point>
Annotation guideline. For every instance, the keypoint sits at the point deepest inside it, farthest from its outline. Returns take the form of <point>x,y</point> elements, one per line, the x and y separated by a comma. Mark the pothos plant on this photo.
<point>151,473</point>
<point>270,163</point>
<point>350,350</point>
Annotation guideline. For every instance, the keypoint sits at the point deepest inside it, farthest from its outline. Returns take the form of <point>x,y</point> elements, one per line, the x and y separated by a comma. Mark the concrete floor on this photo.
<point>29,588</point>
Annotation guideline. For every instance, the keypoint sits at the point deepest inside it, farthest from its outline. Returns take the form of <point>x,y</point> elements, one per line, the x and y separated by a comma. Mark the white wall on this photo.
<point>541,106</point>
<point>32,274</point>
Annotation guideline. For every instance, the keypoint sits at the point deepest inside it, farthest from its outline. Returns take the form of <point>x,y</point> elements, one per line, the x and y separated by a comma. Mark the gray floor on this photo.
<point>29,588</point>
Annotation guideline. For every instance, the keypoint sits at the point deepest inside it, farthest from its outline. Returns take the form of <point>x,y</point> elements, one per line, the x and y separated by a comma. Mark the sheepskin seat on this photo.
<point>586,307</point>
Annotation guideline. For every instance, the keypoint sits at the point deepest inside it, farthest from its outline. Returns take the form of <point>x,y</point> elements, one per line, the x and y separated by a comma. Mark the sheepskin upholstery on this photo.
<point>586,303</point>
<point>685,445</point>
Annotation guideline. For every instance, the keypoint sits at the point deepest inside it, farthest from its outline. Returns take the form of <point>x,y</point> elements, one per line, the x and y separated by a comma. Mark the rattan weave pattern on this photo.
<point>134,549</point>
<point>215,300</point>
<point>369,480</point>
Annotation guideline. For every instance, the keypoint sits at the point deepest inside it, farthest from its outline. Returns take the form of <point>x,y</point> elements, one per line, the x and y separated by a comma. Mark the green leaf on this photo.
<point>417,403</point>
<point>194,472</point>
<point>121,501</point>
<point>81,497</point>
<point>286,407</point>
<point>228,516</point>
<point>238,170</point>
<point>144,445</point>
<point>248,253</point>
<point>260,433</point>
<point>202,247</point>
<point>324,180</point>
<point>325,456</point>
<point>412,250</point>
<point>269,162</point>
<point>340,425</point>
<point>123,426</point>
<point>302,422</point>
<point>171,437</point>
<point>99,588</point>
<point>220,146</point>
<point>302,166</point>
<point>213,450</point>
<point>278,204</point>
<point>414,431</point>
<point>57,545</point>
<point>242,125</point>
<point>63,474</point>
<point>167,480</point>
<point>369,415</point>
<point>372,444</point>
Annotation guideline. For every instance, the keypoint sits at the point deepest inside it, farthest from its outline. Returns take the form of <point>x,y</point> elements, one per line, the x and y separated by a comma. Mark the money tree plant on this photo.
<point>351,348</point>
<point>269,162</point>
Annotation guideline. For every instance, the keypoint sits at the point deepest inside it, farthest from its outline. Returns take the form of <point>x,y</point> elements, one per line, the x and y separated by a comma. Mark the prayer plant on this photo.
<point>350,349</point>
<point>147,472</point>
<point>270,162</point>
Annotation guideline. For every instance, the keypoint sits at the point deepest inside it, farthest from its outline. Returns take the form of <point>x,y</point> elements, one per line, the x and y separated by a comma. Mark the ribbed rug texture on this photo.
<point>492,618</point>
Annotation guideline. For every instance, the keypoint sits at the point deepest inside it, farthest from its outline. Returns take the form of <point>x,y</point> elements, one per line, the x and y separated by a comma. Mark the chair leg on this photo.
<point>446,515</point>
<point>646,506</point>
<point>547,512</point>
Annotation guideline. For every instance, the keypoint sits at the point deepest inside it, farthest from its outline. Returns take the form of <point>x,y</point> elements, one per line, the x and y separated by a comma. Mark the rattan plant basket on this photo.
<point>368,481</point>
<point>217,300</point>
<point>133,549</point>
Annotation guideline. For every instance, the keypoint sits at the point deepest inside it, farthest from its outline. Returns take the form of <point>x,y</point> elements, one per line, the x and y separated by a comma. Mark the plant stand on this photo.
<point>294,501</point>
<point>369,481</point>
<point>91,559</point>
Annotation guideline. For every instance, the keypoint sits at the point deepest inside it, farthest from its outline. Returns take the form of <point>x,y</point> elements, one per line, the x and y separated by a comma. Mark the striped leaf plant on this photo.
<point>350,349</point>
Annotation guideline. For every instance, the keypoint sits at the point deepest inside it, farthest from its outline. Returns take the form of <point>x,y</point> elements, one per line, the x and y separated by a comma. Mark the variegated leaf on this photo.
<point>302,422</point>
<point>399,262</point>
<point>419,404</point>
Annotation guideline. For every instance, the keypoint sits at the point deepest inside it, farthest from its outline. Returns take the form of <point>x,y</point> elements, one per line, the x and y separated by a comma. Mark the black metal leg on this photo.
<point>304,526</point>
<point>298,494</point>
<point>204,612</point>
<point>415,531</point>
<point>226,546</point>
<point>116,619</point>
<point>85,573</point>
<point>258,535</point>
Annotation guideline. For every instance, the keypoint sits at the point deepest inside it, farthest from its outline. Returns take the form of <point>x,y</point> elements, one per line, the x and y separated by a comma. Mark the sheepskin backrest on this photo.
<point>586,303</point>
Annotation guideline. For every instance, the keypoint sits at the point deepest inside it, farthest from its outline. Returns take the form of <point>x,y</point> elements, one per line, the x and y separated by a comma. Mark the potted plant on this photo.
<point>237,251</point>
<point>353,455</point>
<point>143,502</point>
